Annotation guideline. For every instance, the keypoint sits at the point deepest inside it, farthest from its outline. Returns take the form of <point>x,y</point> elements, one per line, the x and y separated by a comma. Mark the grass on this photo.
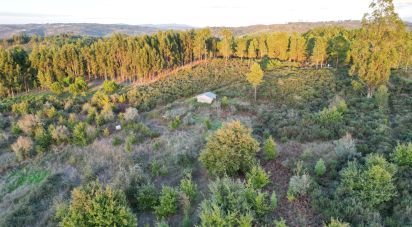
<point>25,177</point>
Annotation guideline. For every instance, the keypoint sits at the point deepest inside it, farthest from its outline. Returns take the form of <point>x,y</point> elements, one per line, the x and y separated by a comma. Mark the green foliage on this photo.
<point>42,139</point>
<point>232,203</point>
<point>147,197</point>
<point>363,189</point>
<point>188,187</point>
<point>110,86</point>
<point>56,88</point>
<point>280,223</point>
<point>298,186</point>
<point>79,134</point>
<point>168,202</point>
<point>229,150</point>
<point>337,223</point>
<point>95,205</point>
<point>20,108</point>
<point>328,117</point>
<point>175,123</point>
<point>79,86</point>
<point>402,155</point>
<point>320,167</point>
<point>270,148</point>
<point>257,177</point>
<point>224,101</point>
<point>24,177</point>
<point>382,96</point>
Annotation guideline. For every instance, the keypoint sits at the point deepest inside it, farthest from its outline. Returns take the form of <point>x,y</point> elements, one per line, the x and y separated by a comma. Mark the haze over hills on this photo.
<point>99,30</point>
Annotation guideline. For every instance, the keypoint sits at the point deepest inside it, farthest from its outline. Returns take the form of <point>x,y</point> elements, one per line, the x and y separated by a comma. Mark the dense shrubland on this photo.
<point>310,150</point>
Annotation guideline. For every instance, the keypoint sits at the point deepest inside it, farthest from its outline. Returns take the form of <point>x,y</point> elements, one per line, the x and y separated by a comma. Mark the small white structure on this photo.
<point>206,97</point>
<point>118,127</point>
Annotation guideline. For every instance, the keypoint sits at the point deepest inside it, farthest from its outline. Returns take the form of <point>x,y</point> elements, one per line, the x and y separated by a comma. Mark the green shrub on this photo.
<point>257,177</point>
<point>231,203</point>
<point>382,96</point>
<point>168,202</point>
<point>402,155</point>
<point>94,205</point>
<point>60,133</point>
<point>368,186</point>
<point>147,197</point>
<point>157,168</point>
<point>56,88</point>
<point>175,123</point>
<point>224,102</point>
<point>130,140</point>
<point>328,117</point>
<point>320,167</point>
<point>79,134</point>
<point>337,223</point>
<point>274,200</point>
<point>117,141</point>
<point>188,187</point>
<point>79,86</point>
<point>229,150</point>
<point>345,148</point>
<point>280,223</point>
<point>42,139</point>
<point>20,108</point>
<point>110,86</point>
<point>270,148</point>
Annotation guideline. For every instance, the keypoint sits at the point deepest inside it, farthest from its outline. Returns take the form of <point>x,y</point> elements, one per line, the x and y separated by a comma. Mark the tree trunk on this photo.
<point>255,93</point>
<point>370,92</point>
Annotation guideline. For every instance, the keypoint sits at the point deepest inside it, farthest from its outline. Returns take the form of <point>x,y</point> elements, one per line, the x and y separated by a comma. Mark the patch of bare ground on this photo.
<point>298,212</point>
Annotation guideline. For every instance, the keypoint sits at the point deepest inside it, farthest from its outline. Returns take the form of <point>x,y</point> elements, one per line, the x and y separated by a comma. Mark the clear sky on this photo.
<point>190,12</point>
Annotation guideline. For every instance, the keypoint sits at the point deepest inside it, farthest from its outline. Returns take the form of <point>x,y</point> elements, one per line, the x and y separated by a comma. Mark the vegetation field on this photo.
<point>310,129</point>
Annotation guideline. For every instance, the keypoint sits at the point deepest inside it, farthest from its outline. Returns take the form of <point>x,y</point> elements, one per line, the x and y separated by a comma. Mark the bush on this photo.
<point>28,123</point>
<point>402,155</point>
<point>298,186</point>
<point>188,187</point>
<point>147,197</point>
<point>224,102</point>
<point>168,202</point>
<point>175,123</point>
<point>56,88</point>
<point>94,205</point>
<point>280,223</point>
<point>20,108</point>
<point>367,185</point>
<point>257,177</point>
<point>382,96</point>
<point>79,86</point>
<point>231,203</point>
<point>131,114</point>
<point>22,147</point>
<point>229,150</point>
<point>42,139</point>
<point>345,148</point>
<point>60,133</point>
<point>79,134</point>
<point>329,117</point>
<point>270,148</point>
<point>110,86</point>
<point>337,223</point>
<point>320,167</point>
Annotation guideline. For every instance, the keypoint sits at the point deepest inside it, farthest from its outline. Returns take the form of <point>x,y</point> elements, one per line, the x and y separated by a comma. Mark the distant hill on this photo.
<point>100,30</point>
<point>290,27</point>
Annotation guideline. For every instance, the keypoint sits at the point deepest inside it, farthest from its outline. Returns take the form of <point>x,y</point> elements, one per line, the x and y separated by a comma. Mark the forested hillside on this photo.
<point>308,129</point>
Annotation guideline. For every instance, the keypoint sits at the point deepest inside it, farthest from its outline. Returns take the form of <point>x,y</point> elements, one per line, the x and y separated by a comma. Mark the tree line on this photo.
<point>38,62</point>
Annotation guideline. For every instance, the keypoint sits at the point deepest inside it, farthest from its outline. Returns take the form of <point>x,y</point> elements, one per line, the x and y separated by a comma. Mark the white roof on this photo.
<point>208,94</point>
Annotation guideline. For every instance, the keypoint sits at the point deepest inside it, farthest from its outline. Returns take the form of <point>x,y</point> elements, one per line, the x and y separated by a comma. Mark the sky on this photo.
<point>189,12</point>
